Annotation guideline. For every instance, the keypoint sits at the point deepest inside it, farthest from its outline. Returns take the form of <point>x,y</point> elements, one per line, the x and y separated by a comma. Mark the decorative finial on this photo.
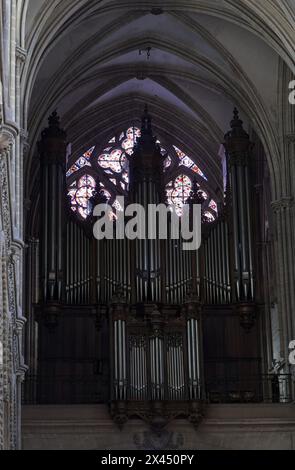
<point>54,120</point>
<point>146,122</point>
<point>237,130</point>
<point>237,140</point>
<point>236,121</point>
<point>54,130</point>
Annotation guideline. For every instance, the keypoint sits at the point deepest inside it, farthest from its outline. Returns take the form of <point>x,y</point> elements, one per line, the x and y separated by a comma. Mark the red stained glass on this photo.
<point>81,162</point>
<point>209,216</point>
<point>178,192</point>
<point>213,206</point>
<point>114,162</point>
<point>80,193</point>
<point>188,162</point>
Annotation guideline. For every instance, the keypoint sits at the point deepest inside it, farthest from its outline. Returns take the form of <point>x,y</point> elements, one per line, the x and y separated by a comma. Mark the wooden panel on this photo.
<point>73,359</point>
<point>231,354</point>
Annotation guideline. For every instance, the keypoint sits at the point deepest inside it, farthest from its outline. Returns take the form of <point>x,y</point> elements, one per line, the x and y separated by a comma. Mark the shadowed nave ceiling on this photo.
<point>206,57</point>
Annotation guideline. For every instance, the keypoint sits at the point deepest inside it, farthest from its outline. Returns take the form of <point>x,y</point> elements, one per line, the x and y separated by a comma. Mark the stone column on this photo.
<point>11,319</point>
<point>284,220</point>
<point>6,371</point>
<point>32,298</point>
<point>1,341</point>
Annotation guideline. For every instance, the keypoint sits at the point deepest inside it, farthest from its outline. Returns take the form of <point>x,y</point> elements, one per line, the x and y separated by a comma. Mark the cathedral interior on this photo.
<point>137,343</point>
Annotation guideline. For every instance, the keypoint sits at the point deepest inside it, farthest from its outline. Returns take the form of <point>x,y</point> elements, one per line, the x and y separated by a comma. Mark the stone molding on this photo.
<point>283,204</point>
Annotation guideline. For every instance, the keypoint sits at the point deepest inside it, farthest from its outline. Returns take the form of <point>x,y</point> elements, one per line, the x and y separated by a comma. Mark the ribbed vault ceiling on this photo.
<point>206,57</point>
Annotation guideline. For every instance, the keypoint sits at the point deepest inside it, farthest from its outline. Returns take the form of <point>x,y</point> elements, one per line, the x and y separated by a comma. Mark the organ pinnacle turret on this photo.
<point>147,161</point>
<point>146,122</point>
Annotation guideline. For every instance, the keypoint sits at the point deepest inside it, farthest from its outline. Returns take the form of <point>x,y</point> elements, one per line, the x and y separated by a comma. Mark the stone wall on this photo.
<point>239,427</point>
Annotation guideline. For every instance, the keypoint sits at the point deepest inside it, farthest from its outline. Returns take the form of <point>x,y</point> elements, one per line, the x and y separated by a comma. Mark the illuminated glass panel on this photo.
<point>117,206</point>
<point>106,194</point>
<point>81,162</point>
<point>204,194</point>
<point>167,163</point>
<point>80,193</point>
<point>178,192</point>
<point>188,162</point>
<point>213,206</point>
<point>209,216</point>
<point>114,162</point>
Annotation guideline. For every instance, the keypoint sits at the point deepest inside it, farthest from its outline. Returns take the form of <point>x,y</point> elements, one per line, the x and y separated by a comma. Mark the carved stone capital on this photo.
<point>19,325</point>
<point>6,141</point>
<point>13,255</point>
<point>8,134</point>
<point>21,373</point>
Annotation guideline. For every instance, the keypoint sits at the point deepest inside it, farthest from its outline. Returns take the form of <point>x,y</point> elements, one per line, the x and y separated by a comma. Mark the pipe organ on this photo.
<point>155,343</point>
<point>147,297</point>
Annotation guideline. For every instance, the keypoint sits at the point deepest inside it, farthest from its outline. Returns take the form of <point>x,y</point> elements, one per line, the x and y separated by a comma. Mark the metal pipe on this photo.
<point>249,225</point>
<point>124,359</point>
<point>116,375</point>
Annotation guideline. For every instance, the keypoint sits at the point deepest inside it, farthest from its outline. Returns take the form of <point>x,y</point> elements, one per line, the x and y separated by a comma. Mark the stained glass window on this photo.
<point>213,205</point>
<point>114,159</point>
<point>209,216</point>
<point>81,162</point>
<point>203,194</point>
<point>167,163</point>
<point>104,192</point>
<point>81,193</point>
<point>178,192</point>
<point>110,168</point>
<point>188,162</point>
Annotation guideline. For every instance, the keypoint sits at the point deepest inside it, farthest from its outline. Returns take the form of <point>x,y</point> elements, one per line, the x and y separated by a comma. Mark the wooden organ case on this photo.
<point>142,324</point>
